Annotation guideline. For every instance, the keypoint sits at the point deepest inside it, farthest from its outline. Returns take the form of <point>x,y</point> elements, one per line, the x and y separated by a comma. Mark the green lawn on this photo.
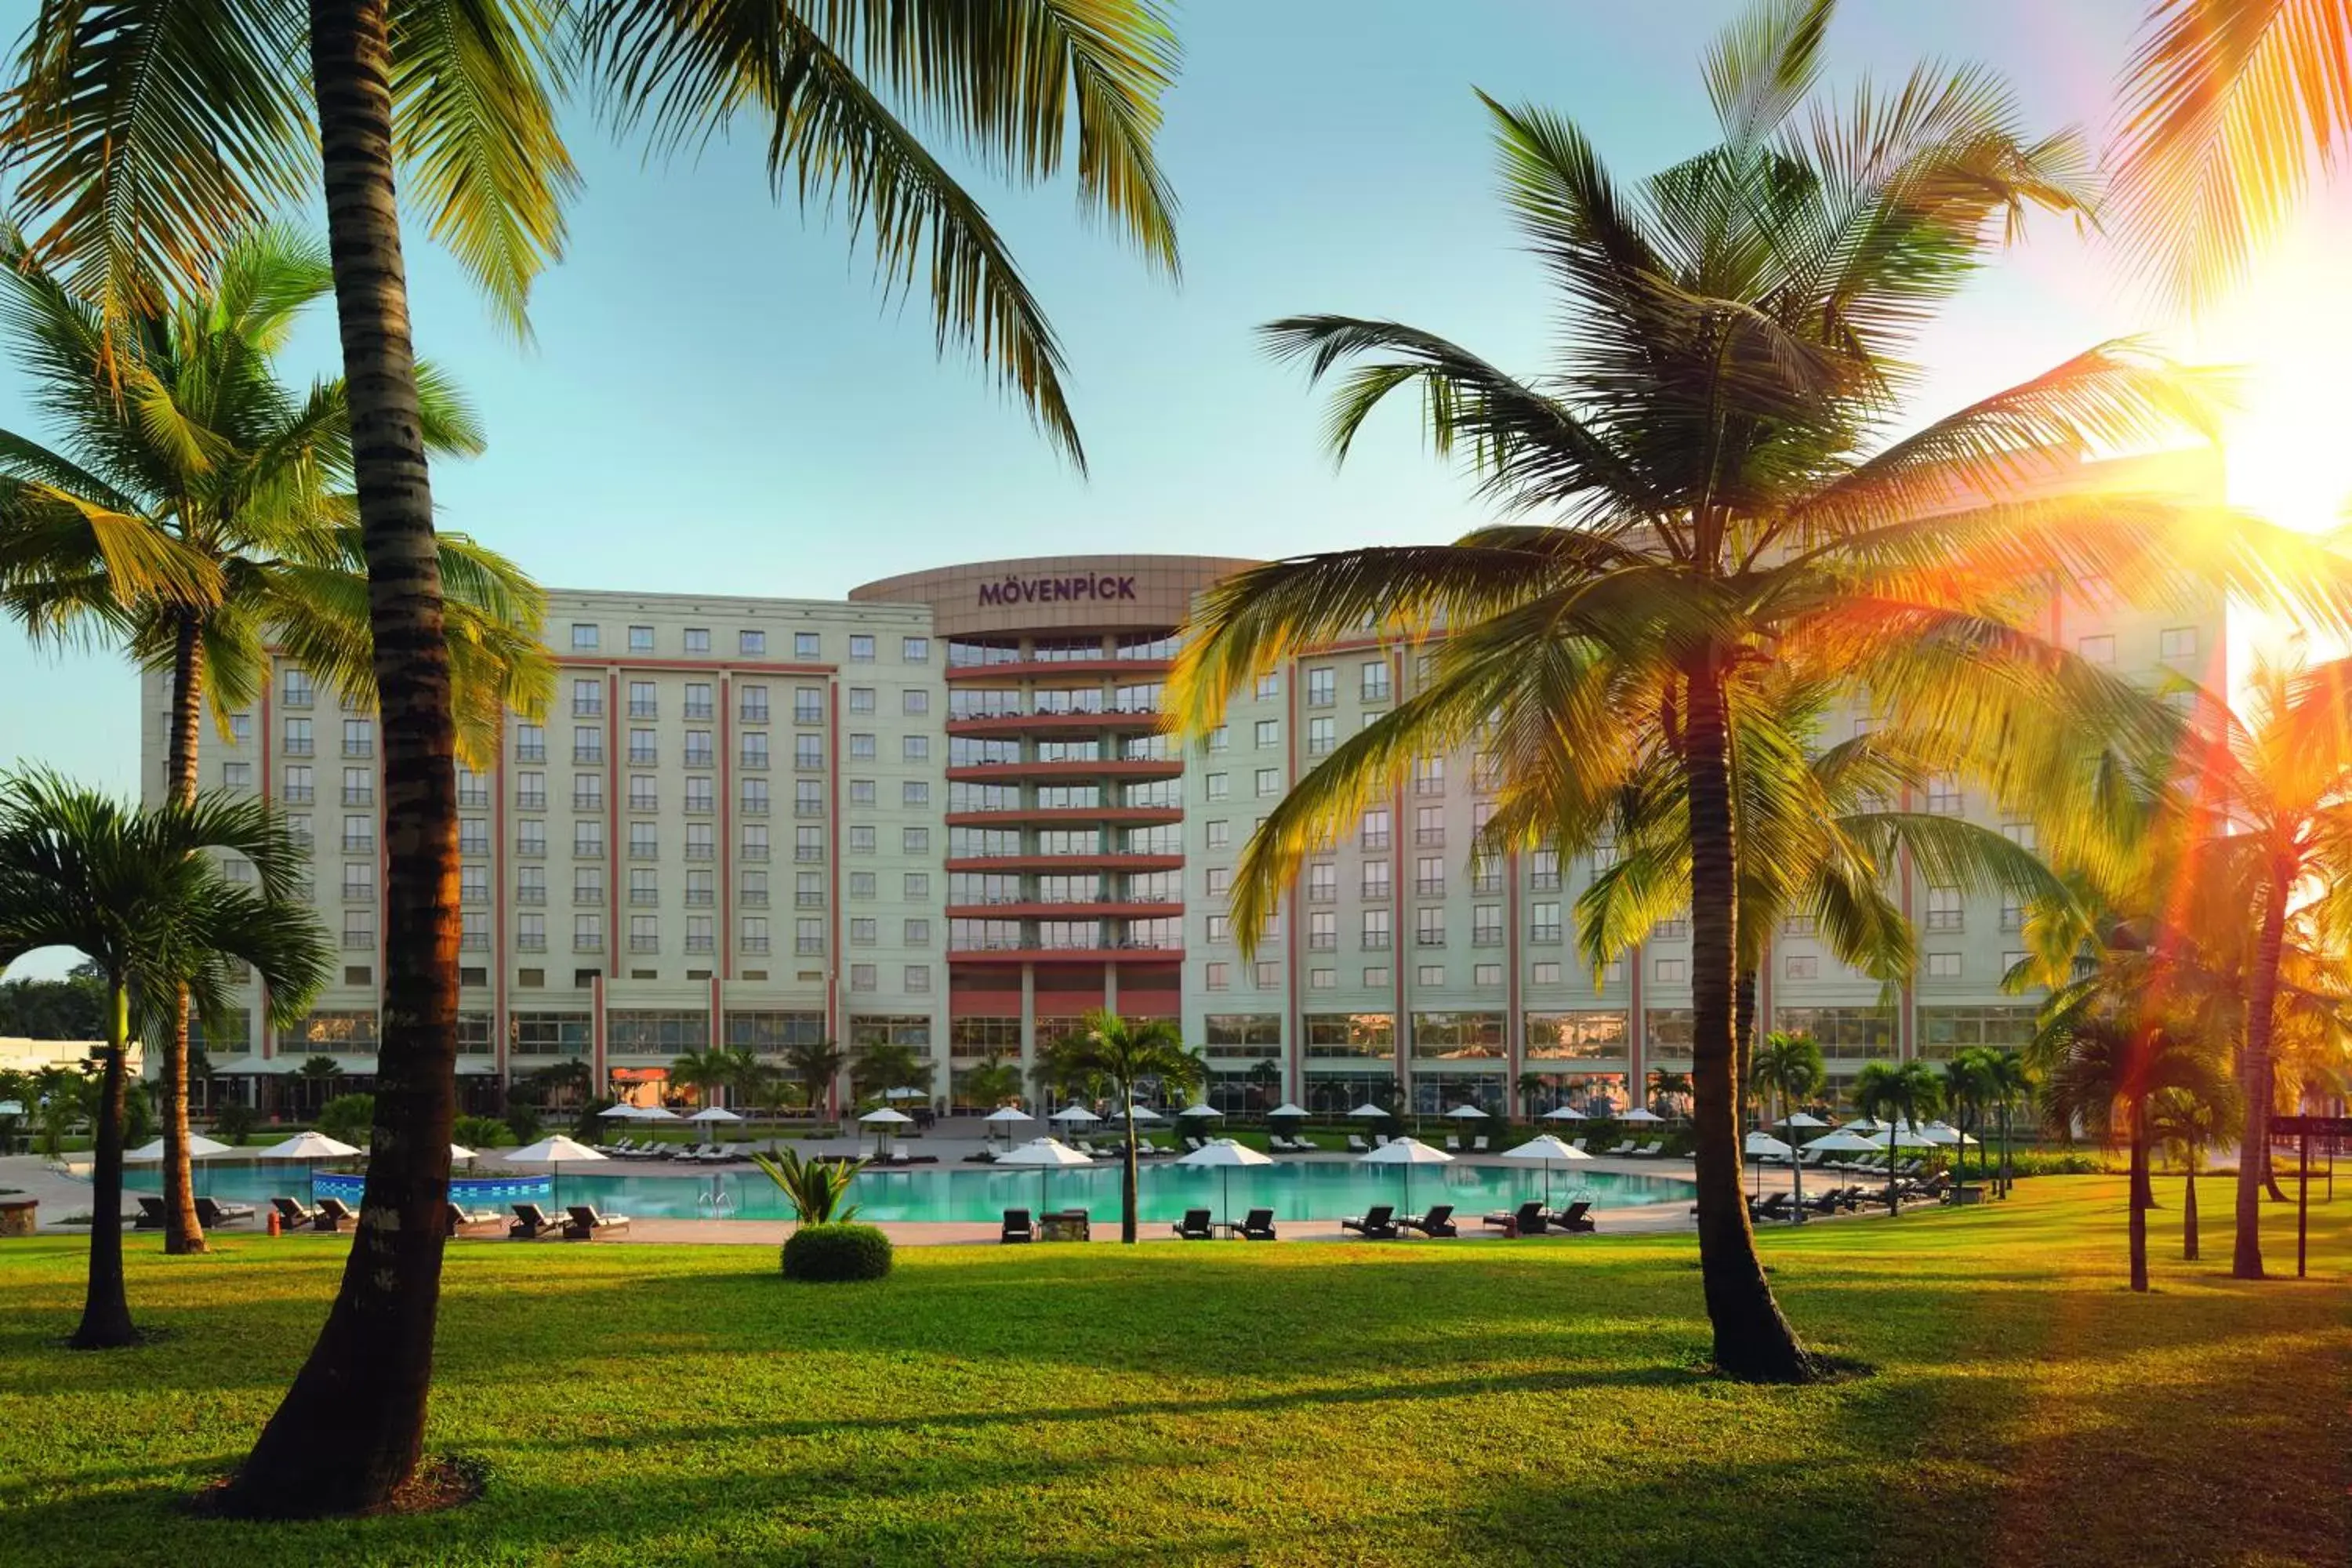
<point>1425,1403</point>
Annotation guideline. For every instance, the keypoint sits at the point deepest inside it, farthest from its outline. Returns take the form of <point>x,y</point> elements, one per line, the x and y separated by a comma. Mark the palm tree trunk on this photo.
<point>105,1308</point>
<point>1752,1339</point>
<point>2139,1210</point>
<point>1126,1176</point>
<point>2270,1156</point>
<point>2254,1079</point>
<point>352,1430</point>
<point>2188,1209</point>
<point>181,1231</point>
<point>1743,1029</point>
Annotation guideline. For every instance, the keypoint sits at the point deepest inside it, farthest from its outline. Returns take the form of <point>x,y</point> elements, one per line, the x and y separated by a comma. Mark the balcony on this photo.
<point>473,845</point>
<point>1129,815</point>
<point>530,800</point>
<point>644,757</point>
<point>358,844</point>
<point>530,895</point>
<point>531,751</point>
<point>1060,668</point>
<point>754,944</point>
<point>590,707</point>
<point>582,800</point>
<point>644,896</point>
<point>476,798</point>
<point>588,756</point>
<point>359,748</point>
<point>298,794</point>
<point>753,713</point>
<point>587,943</point>
<point>357,795</point>
<point>808,713</point>
<point>1093,860</point>
<point>755,761</point>
<point>529,941</point>
<point>756,852</point>
<point>1061,910</point>
<point>645,943</point>
<point>704,758</point>
<point>1429,887</point>
<point>1104,953</point>
<point>699,898</point>
<point>1428,837</point>
<point>301,748</point>
<point>644,709</point>
<point>1373,841</point>
<point>1056,723</point>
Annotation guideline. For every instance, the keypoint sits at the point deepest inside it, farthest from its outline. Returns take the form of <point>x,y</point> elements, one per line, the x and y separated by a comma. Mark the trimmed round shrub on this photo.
<point>831,1254</point>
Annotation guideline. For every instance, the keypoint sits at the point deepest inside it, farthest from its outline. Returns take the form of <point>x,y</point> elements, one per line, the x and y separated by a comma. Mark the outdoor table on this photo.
<point>1070,1225</point>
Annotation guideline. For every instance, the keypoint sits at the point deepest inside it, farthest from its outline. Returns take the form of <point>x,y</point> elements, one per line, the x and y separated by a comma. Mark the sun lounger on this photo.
<point>1576,1217</point>
<point>461,1221</point>
<point>152,1216</point>
<point>1377,1225</point>
<point>1776,1206</point>
<point>1437,1222</point>
<point>980,1157</point>
<point>1259,1225</point>
<point>1356,1144</point>
<point>1017,1226</point>
<point>333,1214</point>
<point>1528,1219</point>
<point>1478,1144</point>
<point>530,1223</point>
<point>1380,1140</point>
<point>1578,1145</point>
<point>211,1215</point>
<point>1624,1148</point>
<point>1826,1204</point>
<point>586,1223</point>
<point>1195,1225</point>
<point>292,1215</point>
<point>1653,1149</point>
<point>1452,1143</point>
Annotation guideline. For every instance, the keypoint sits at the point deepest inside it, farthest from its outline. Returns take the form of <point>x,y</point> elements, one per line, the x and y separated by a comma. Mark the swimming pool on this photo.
<point>1293,1189</point>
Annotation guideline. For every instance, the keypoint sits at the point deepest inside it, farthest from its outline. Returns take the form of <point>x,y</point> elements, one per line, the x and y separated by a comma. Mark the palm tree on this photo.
<point>2013,1081</point>
<point>2187,1123</point>
<point>816,1065</point>
<point>1791,1067</point>
<point>699,1073</point>
<point>321,1074</point>
<point>2225,104</point>
<point>141,135</point>
<point>1670,1089</point>
<point>1899,1093</point>
<point>876,1068</point>
<point>1712,486</point>
<point>194,510</point>
<point>2105,1048</point>
<point>142,895</point>
<point>994,1082</point>
<point>1122,1054</point>
<point>1968,1088</point>
<point>2266,811</point>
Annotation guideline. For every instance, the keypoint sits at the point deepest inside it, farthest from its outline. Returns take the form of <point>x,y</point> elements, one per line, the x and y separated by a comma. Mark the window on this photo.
<point>1375,680</point>
<point>359,929</point>
<point>1375,930</point>
<point>588,885</point>
<point>359,880</point>
<point>861,840</point>
<point>1545,973</point>
<point>1218,976</point>
<point>1269,686</point>
<point>587,743</point>
<point>643,793</point>
<point>641,639</point>
<point>1372,831</point>
<point>644,841</point>
<point>1675,930</point>
<point>807,644</point>
<point>754,751</point>
<point>1322,687</point>
<point>1375,883</point>
<point>1267,734</point>
<point>916,700</point>
<point>1322,931</point>
<point>531,838</point>
<point>530,932</point>
<point>359,737</point>
<point>1801,966</point>
<point>1269,781</point>
<point>644,884</point>
<point>642,702</point>
<point>699,703</point>
<point>861,648</point>
<point>751,645</point>
<point>1220,834</point>
<point>587,792</point>
<point>1429,775</point>
<point>755,841</point>
<point>1429,876</point>
<point>587,840</point>
<point>295,687</point>
<point>1945,910</point>
<point>358,834</point>
<point>1429,826</point>
<point>1670,971</point>
<point>1486,974</point>
<point>1220,928</point>
<point>1486,925</point>
<point>2012,915</point>
<point>298,737</point>
<point>644,934</point>
<point>587,698</point>
<point>1943,966</point>
<point>914,748</point>
<point>1218,740</point>
<point>1429,927</point>
<point>701,841</point>
<point>698,936</point>
<point>917,978</point>
<point>863,932</point>
<point>2100,649</point>
<point>754,936</point>
<point>698,639</point>
<point>474,884</point>
<point>2176,643</point>
<point>699,893</point>
<point>1322,882</point>
<point>1219,785</point>
<point>237,775</point>
<point>914,840</point>
<point>751,890</point>
<point>915,650</point>
<point>1543,922</point>
<point>1944,797</point>
<point>808,844</point>
<point>584,637</point>
<point>2020,834</point>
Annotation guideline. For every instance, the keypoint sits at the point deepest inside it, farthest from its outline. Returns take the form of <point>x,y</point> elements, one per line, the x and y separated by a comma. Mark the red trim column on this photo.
<point>1515,1038</point>
<point>725,849</point>
<point>613,864</point>
<point>269,751</point>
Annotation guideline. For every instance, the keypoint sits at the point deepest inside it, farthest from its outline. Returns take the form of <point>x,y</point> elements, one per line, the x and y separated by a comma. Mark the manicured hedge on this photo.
<point>830,1254</point>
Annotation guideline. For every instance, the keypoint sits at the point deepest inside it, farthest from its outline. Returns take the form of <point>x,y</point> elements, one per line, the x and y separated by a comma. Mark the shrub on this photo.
<point>348,1117</point>
<point>817,1188</point>
<point>832,1254</point>
<point>480,1132</point>
<point>235,1121</point>
<point>2048,1163</point>
<point>588,1126</point>
<point>522,1120</point>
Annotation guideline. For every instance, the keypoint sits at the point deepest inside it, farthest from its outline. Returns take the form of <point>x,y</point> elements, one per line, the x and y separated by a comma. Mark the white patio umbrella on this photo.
<point>1005,1117</point>
<point>1842,1141</point>
<point>1861,1124</point>
<point>1899,1137</point>
<point>1074,1116</point>
<point>1641,1113</point>
<point>1368,1111</point>
<point>1563,1113</point>
<point>1286,1109</point>
<point>1407,1153</point>
<point>1048,1154</point>
<point>148,1152</point>
<point>1224,1153</point>
<point>308,1148</point>
<point>1198,1112</point>
<point>459,1151</point>
<point>657,1113</point>
<point>622,1111</point>
<point>882,1121</point>
<point>714,1113</point>
<point>1144,1114</point>
<point>1466,1113</point>
<point>903,1092</point>
<point>1765,1144</point>
<point>557,1152</point>
<point>1549,1149</point>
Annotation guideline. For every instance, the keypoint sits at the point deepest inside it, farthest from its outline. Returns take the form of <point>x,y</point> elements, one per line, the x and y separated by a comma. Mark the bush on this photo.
<point>480,1132</point>
<point>522,1120</point>
<point>235,1121</point>
<point>2048,1163</point>
<point>348,1117</point>
<point>832,1254</point>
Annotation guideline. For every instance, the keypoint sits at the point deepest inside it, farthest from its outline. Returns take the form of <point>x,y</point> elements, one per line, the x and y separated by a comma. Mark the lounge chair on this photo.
<point>1776,1206</point>
<point>1478,1144</point>
<point>292,1215</point>
<point>1356,1144</point>
<point>586,1223</point>
<point>1380,1140</point>
<point>1377,1225</point>
<point>151,1215</point>
<point>460,1220</point>
<point>980,1157</point>
<point>1624,1148</point>
<point>1578,1145</point>
<point>1437,1222</point>
<point>530,1223</point>
<point>1651,1149</point>
<point>211,1215</point>
<point>333,1214</point>
<point>1576,1219</point>
<point>1259,1225</point>
<point>1528,1219</point>
<point>1195,1225</point>
<point>1017,1226</point>
<point>1824,1203</point>
<point>1195,1145</point>
<point>1452,1143</point>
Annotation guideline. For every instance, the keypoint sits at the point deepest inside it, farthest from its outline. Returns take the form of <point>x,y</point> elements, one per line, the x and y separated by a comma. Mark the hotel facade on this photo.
<point>941,813</point>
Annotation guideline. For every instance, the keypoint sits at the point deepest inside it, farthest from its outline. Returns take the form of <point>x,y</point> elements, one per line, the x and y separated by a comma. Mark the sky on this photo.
<point>718,398</point>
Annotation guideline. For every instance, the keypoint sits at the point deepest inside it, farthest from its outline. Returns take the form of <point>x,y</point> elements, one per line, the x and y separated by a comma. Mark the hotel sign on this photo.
<point>1055,590</point>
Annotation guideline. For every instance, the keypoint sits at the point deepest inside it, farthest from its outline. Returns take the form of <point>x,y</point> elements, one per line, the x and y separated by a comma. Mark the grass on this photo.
<point>1425,1403</point>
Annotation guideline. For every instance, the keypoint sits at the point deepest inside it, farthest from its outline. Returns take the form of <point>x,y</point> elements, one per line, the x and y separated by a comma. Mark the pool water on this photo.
<point>1293,1189</point>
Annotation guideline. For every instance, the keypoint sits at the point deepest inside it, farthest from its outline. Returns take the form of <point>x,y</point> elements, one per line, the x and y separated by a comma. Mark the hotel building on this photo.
<point>941,814</point>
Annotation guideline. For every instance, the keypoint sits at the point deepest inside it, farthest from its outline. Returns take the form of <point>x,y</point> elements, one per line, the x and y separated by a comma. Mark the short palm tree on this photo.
<point>1714,482</point>
<point>2224,104</point>
<point>141,135</point>
<point>2188,1122</point>
<point>2106,1048</point>
<point>1903,1094</point>
<point>142,895</point>
<point>1789,1066</point>
<point>2013,1081</point>
<point>876,1069</point>
<point>816,1066</point>
<point>195,510</point>
<point>1968,1088</point>
<point>1123,1055</point>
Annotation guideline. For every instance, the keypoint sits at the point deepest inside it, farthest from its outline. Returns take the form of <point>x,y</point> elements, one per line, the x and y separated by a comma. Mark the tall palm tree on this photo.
<point>194,510</point>
<point>1120,1054</point>
<point>2226,105</point>
<point>2013,1082</point>
<point>2106,1047</point>
<point>142,895</point>
<point>1790,1066</point>
<point>143,132</point>
<point>1968,1088</point>
<point>1713,482</point>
